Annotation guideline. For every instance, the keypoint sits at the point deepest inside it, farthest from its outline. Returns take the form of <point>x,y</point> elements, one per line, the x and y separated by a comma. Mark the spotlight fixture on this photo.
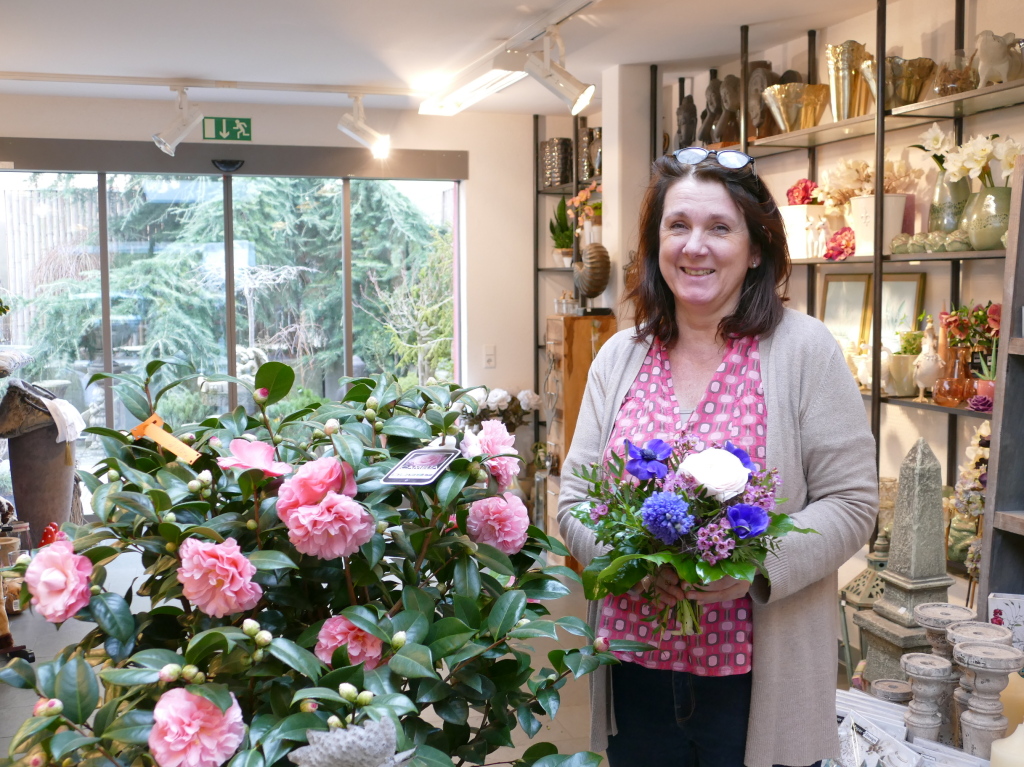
<point>354,125</point>
<point>184,122</point>
<point>477,83</point>
<point>551,73</point>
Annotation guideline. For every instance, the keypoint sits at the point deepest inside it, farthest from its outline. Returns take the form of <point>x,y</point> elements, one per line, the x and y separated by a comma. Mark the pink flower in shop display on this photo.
<point>313,481</point>
<point>58,580</point>
<point>362,647</point>
<point>841,245</point>
<point>495,441</point>
<point>247,455</point>
<point>191,731</point>
<point>217,578</point>
<point>335,527</point>
<point>500,522</point>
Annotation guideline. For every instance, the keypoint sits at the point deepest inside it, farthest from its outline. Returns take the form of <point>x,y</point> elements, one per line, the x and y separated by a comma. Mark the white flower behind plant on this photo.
<point>498,399</point>
<point>936,140</point>
<point>1006,151</point>
<point>528,400</point>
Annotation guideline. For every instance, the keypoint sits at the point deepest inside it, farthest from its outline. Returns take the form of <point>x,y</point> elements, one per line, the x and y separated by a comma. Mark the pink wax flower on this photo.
<point>494,440</point>
<point>335,527</point>
<point>254,455</point>
<point>217,578</point>
<point>190,731</point>
<point>500,522</point>
<point>313,481</point>
<point>362,647</point>
<point>58,580</point>
<point>841,245</point>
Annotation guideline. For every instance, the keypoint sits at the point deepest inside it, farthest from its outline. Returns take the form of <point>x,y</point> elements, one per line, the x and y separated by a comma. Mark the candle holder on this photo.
<point>983,722</point>
<point>935,617</point>
<point>892,691</point>
<point>929,679</point>
<point>970,631</point>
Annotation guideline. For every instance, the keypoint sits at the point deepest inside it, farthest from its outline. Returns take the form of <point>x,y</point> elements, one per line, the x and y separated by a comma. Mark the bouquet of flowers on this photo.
<point>973,159</point>
<point>707,513</point>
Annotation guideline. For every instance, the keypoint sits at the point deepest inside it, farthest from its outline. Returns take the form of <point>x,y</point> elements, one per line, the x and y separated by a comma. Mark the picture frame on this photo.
<point>902,304</point>
<point>846,308</point>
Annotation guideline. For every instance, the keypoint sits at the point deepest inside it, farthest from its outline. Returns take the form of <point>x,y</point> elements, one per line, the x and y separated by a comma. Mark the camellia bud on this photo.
<point>170,547</point>
<point>348,692</point>
<point>601,645</point>
<point>48,707</point>
<point>194,486</point>
<point>188,438</point>
<point>261,395</point>
<point>369,414</point>
<point>378,426</point>
<point>258,654</point>
<point>215,442</point>
<point>398,640</point>
<point>113,476</point>
<point>333,722</point>
<point>249,437</point>
<point>431,381</point>
<point>382,526</point>
<point>332,426</point>
<point>308,706</point>
<point>278,439</point>
<point>263,638</point>
<point>318,434</point>
<point>170,517</point>
<point>188,673</point>
<point>24,559</point>
<point>199,678</point>
<point>250,627</point>
<point>37,759</point>
<point>365,698</point>
<point>205,477</point>
<point>170,673</point>
<point>94,589</point>
<point>372,402</point>
<point>250,524</point>
<point>522,622</point>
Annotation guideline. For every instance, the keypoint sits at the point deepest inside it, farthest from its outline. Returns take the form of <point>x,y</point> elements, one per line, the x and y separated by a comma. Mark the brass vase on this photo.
<point>904,79</point>
<point>796,106</point>
<point>851,96</point>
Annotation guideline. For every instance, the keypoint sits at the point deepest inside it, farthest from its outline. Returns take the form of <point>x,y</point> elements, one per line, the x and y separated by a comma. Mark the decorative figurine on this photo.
<point>712,111</point>
<point>726,130</point>
<point>929,365</point>
<point>686,122</point>
<point>999,60</point>
<point>761,121</point>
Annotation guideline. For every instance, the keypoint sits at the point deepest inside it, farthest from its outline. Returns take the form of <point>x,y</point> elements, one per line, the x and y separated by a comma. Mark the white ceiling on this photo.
<point>391,44</point>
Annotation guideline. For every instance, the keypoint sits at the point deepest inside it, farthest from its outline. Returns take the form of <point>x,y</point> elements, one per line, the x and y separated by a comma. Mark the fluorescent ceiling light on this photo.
<point>476,84</point>
<point>186,119</point>
<point>557,80</point>
<point>354,125</point>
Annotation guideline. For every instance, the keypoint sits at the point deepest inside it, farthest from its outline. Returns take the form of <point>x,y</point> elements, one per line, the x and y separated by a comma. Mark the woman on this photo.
<point>716,355</point>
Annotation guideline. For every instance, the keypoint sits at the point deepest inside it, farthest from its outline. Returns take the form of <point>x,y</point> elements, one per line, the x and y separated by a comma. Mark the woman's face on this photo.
<point>705,248</point>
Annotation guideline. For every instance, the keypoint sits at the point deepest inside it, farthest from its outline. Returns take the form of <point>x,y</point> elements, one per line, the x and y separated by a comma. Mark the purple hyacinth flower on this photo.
<point>648,462</point>
<point>747,520</point>
<point>667,517</point>
<point>742,454</point>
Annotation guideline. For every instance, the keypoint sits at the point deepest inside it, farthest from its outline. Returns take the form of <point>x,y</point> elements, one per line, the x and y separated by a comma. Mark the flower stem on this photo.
<point>348,581</point>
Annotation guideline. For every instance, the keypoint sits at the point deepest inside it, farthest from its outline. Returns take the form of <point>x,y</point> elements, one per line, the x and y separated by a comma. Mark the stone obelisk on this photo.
<point>916,573</point>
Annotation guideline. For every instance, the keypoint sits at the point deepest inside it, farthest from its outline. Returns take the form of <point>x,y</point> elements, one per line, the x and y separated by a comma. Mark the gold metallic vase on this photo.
<point>796,105</point>
<point>904,79</point>
<point>851,96</point>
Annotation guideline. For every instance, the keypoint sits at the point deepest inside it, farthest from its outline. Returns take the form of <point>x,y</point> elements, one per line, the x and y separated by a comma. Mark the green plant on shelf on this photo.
<point>561,231</point>
<point>910,341</point>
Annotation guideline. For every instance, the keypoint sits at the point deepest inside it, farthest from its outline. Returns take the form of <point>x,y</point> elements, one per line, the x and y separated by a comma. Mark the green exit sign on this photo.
<point>227,129</point>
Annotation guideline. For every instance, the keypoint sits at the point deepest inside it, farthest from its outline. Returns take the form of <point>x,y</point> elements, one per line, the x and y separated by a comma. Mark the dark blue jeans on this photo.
<point>676,719</point>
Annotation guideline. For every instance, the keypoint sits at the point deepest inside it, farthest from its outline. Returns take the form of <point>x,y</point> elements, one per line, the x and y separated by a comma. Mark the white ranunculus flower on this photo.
<point>498,399</point>
<point>528,400</point>
<point>719,471</point>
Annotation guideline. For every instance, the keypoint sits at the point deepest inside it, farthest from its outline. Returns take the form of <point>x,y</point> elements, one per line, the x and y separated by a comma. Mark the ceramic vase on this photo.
<point>801,229</point>
<point>862,219</point>
<point>986,217</point>
<point>901,375</point>
<point>949,199</point>
<point>561,257</point>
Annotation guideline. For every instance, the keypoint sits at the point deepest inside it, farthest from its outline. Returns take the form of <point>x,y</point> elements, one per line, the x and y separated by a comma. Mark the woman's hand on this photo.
<point>667,588</point>
<point>725,589</point>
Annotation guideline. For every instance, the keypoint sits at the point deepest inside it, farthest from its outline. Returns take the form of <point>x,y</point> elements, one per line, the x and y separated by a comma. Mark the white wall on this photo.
<point>497,199</point>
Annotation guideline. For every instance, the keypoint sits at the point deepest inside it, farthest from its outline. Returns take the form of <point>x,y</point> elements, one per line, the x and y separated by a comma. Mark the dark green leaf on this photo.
<point>317,693</point>
<point>417,599</point>
<point>467,577</point>
<point>396,702</point>
<point>364,618</point>
<point>549,699</point>
<point>628,645</point>
<point>541,587</point>
<point>271,560</point>
<point>251,758</point>
<point>206,643</point>
<point>427,756</point>
<point>453,710</point>
<point>373,549</point>
<point>303,661</point>
<point>576,626</point>
<point>581,664</point>
<point>215,693</point>
<point>414,624</point>
<point>112,613</point>
<point>137,502</point>
<point>78,690</point>
<point>105,715</point>
<point>63,743</point>
<point>277,378</point>
<point>133,727</point>
<point>18,673</point>
<point>350,448</point>
<point>447,636</point>
<point>449,487</point>
<point>30,727</point>
<point>46,676</point>
<point>495,560</point>
<point>407,426</point>
<point>134,400</point>
<point>130,676</point>
<point>535,629</point>
<point>505,613</point>
<point>294,727</point>
<point>157,658</point>
<point>413,661</point>
<point>527,720</point>
<point>539,750</point>
<point>467,611</point>
<point>431,691</point>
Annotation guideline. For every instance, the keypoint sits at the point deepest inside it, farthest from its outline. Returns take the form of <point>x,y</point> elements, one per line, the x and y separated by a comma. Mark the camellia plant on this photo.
<point>290,597</point>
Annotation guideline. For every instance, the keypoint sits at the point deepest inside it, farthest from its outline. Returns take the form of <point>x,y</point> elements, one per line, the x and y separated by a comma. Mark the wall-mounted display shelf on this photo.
<point>1015,345</point>
<point>830,133</point>
<point>1009,521</point>
<point>998,96</point>
<point>902,258</point>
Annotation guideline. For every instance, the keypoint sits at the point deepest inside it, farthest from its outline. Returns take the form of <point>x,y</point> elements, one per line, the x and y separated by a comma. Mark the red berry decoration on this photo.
<point>51,534</point>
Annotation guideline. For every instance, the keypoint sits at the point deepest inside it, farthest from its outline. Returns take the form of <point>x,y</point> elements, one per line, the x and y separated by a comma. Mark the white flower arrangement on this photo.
<point>973,159</point>
<point>500,405</point>
<point>856,178</point>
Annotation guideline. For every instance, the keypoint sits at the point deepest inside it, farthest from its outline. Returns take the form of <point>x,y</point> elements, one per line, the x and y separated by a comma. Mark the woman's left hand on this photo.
<point>725,589</point>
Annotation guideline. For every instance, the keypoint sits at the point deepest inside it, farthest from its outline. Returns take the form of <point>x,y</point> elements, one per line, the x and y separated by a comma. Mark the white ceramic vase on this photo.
<point>862,220</point>
<point>802,232</point>
<point>901,372</point>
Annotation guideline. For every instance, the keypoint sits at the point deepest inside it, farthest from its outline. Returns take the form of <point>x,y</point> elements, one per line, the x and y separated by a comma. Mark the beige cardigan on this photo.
<point>818,438</point>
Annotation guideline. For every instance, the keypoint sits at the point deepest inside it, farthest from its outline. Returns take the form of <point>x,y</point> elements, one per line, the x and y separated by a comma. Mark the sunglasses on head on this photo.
<point>732,159</point>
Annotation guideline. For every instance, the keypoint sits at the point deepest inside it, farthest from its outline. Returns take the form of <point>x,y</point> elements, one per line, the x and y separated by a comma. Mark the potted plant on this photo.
<point>561,235</point>
<point>803,216</point>
<point>901,364</point>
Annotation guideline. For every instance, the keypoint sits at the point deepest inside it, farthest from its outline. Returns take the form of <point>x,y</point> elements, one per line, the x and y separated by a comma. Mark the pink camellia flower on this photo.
<point>217,578</point>
<point>494,440</point>
<point>254,455</point>
<point>500,522</point>
<point>313,481</point>
<point>190,731</point>
<point>335,527</point>
<point>58,580</point>
<point>995,313</point>
<point>362,646</point>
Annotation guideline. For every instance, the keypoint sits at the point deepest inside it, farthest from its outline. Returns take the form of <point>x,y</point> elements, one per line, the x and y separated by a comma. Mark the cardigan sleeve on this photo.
<point>587,448</point>
<point>837,452</point>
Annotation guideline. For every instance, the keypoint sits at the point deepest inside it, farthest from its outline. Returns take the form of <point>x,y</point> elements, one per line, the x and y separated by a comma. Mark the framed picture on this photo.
<point>902,304</point>
<point>846,307</point>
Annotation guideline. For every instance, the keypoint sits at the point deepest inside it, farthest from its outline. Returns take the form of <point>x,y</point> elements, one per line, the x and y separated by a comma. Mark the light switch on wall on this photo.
<point>490,356</point>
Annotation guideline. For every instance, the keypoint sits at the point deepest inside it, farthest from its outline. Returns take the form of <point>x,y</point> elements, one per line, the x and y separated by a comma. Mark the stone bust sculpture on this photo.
<point>712,111</point>
<point>726,129</point>
<point>686,121</point>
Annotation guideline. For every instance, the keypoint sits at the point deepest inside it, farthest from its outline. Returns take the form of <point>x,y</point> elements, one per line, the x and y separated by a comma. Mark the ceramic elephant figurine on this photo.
<point>999,59</point>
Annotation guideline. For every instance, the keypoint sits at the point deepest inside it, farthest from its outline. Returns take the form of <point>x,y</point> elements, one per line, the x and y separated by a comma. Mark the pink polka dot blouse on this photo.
<point>733,409</point>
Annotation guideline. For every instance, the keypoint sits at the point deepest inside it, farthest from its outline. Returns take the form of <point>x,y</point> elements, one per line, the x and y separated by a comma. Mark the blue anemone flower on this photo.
<point>742,454</point>
<point>747,520</point>
<point>648,462</point>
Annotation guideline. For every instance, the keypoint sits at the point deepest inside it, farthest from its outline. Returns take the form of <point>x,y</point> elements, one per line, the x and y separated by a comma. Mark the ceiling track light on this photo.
<point>355,125</point>
<point>186,119</point>
<point>550,72</point>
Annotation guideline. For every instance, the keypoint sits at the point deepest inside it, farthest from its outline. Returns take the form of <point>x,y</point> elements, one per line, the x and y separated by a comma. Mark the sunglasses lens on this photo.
<point>733,160</point>
<point>691,156</point>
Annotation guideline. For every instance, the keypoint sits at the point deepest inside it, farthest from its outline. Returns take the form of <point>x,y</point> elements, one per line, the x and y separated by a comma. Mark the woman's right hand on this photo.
<point>667,588</point>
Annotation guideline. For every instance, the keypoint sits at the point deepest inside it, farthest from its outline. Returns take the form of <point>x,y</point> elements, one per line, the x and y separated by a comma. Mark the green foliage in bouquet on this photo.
<point>265,614</point>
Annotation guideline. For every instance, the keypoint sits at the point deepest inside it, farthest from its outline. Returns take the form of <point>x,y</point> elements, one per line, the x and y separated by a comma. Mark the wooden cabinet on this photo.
<point>571,343</point>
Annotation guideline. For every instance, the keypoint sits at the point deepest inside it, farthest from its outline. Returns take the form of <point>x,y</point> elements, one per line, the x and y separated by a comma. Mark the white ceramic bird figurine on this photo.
<point>929,365</point>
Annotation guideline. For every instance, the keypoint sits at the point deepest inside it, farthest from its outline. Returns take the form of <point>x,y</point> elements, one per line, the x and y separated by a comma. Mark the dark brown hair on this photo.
<point>761,300</point>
